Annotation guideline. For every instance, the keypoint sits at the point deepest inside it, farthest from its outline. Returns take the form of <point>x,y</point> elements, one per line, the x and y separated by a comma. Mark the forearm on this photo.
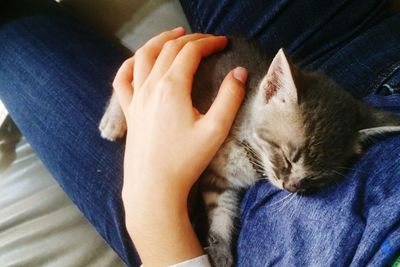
<point>163,235</point>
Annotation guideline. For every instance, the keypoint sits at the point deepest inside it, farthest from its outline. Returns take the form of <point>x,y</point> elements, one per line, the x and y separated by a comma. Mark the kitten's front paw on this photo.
<point>219,251</point>
<point>112,125</point>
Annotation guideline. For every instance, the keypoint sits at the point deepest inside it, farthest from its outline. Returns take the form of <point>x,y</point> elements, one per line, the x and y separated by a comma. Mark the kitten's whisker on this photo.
<point>250,149</point>
<point>344,168</point>
<point>257,165</point>
<point>342,176</point>
<point>293,198</point>
<point>292,195</point>
<point>260,164</point>
<point>282,199</point>
<point>351,169</point>
<point>256,162</point>
<point>317,143</point>
<point>297,206</point>
<point>339,173</point>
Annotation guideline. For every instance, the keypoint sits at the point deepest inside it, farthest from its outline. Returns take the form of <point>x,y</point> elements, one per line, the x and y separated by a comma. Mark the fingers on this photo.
<point>187,61</point>
<point>123,83</point>
<point>226,105</point>
<point>165,53</point>
<point>169,52</point>
<point>147,54</point>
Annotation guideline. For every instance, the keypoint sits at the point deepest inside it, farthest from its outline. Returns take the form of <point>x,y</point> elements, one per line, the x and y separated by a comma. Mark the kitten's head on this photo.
<point>306,130</point>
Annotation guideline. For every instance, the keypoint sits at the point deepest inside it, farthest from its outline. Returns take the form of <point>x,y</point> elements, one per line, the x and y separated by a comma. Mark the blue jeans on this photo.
<point>55,79</point>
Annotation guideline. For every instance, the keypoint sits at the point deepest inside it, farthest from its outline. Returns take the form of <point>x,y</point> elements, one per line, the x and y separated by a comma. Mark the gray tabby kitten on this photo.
<point>297,128</point>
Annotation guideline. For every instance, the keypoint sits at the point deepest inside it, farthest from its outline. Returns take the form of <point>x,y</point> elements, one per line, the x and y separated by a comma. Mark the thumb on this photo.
<point>230,95</point>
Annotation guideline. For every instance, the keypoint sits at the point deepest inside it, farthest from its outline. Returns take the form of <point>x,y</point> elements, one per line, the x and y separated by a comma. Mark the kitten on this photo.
<point>297,128</point>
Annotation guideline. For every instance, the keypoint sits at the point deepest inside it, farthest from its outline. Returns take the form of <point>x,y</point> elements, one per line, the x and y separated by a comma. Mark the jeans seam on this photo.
<point>383,76</point>
<point>394,68</point>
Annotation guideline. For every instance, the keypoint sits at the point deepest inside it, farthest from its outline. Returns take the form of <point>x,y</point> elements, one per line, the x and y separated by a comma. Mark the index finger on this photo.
<point>148,53</point>
<point>122,83</point>
<point>188,59</point>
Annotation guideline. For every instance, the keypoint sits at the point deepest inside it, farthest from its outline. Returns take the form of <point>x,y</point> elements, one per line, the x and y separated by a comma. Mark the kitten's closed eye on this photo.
<point>296,156</point>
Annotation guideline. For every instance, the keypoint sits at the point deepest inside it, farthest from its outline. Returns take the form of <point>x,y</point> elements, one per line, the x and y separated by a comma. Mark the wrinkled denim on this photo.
<point>55,79</point>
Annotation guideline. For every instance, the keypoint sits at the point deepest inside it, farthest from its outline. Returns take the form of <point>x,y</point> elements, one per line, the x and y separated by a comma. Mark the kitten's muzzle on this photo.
<point>292,187</point>
<point>301,186</point>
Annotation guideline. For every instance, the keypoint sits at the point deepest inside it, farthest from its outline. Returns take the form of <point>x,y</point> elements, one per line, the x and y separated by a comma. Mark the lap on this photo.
<point>55,78</point>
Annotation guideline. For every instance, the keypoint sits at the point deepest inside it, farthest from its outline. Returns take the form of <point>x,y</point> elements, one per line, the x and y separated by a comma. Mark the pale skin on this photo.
<point>169,143</point>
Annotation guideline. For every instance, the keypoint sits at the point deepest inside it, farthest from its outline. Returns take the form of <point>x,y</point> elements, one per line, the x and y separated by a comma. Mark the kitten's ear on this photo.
<point>279,80</point>
<point>381,124</point>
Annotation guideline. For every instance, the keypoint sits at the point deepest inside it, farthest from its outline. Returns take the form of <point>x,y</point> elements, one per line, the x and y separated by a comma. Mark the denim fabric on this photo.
<point>55,79</point>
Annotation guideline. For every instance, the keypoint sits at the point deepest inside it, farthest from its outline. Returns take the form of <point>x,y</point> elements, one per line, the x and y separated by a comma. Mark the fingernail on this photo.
<point>178,29</point>
<point>240,73</point>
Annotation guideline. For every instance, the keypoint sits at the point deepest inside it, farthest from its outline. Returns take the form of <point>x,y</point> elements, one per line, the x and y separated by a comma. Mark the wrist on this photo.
<point>158,223</point>
<point>163,235</point>
<point>145,205</point>
<point>153,211</point>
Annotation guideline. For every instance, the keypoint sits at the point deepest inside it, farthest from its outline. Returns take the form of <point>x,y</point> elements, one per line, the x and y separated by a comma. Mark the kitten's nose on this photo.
<point>292,186</point>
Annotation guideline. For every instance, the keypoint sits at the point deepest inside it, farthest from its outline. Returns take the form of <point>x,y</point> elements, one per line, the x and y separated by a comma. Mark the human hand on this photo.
<point>169,143</point>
